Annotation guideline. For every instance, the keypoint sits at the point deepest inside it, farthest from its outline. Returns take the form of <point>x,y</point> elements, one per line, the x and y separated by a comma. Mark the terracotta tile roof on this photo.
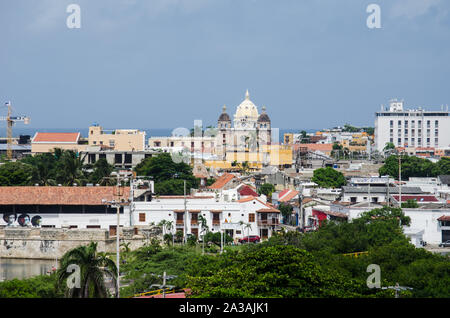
<point>56,137</point>
<point>222,181</point>
<point>418,198</point>
<point>287,195</point>
<point>444,218</point>
<point>215,211</point>
<point>247,190</point>
<point>271,210</point>
<point>58,195</point>
<point>190,197</point>
<point>246,199</point>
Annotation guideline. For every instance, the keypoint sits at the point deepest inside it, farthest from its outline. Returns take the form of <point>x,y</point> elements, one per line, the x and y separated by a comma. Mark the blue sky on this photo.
<point>165,63</point>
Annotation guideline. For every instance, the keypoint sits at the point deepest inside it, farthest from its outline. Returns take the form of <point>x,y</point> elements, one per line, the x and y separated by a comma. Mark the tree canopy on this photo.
<point>63,167</point>
<point>328,178</point>
<point>412,166</point>
<point>167,174</point>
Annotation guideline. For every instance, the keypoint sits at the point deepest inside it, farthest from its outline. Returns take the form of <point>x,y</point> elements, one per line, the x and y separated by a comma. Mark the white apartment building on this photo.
<point>411,128</point>
<point>237,218</point>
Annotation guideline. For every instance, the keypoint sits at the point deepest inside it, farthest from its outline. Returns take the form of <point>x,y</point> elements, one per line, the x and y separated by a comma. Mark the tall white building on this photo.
<point>411,128</point>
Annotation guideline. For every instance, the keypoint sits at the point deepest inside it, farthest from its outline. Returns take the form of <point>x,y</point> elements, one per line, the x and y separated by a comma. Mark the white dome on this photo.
<point>247,109</point>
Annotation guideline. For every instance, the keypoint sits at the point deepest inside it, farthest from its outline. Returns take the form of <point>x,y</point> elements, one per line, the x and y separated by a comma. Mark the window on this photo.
<point>436,123</point>
<point>392,123</point>
<point>251,217</point>
<point>112,143</point>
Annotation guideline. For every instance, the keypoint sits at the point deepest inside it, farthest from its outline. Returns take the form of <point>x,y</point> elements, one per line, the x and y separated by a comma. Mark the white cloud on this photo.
<point>413,8</point>
<point>107,15</point>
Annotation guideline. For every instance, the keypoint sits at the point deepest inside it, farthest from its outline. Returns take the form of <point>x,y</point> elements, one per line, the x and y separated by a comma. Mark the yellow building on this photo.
<point>119,139</point>
<point>47,142</point>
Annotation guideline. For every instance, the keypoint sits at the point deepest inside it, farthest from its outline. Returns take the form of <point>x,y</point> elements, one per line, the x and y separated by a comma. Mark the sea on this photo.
<point>150,132</point>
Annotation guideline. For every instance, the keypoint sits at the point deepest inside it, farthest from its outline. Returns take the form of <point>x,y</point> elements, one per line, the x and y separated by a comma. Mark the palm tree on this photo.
<point>70,168</point>
<point>94,266</point>
<point>248,226</point>
<point>204,228</point>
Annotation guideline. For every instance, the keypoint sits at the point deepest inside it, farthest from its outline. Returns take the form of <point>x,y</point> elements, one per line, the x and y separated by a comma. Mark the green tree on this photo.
<point>412,166</point>
<point>93,266</point>
<point>410,204</point>
<point>267,189</point>
<point>35,287</point>
<point>167,174</point>
<point>328,178</point>
<point>101,170</point>
<point>286,210</point>
<point>15,174</point>
<point>272,271</point>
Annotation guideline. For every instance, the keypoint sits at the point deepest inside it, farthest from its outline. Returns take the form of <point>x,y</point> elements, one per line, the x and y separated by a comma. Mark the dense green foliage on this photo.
<point>328,178</point>
<point>60,167</point>
<point>267,189</point>
<point>414,167</point>
<point>35,287</point>
<point>289,264</point>
<point>167,174</point>
<point>410,204</point>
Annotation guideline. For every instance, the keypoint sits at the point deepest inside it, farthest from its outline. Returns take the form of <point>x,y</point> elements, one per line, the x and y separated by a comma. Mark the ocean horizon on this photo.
<point>150,132</point>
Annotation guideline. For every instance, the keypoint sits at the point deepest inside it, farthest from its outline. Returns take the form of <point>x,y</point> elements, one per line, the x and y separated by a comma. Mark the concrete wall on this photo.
<point>33,243</point>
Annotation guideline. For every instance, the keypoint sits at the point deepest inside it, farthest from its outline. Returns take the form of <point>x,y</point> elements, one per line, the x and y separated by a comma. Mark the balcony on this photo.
<point>216,222</point>
<point>268,222</point>
<point>194,222</point>
<point>179,222</point>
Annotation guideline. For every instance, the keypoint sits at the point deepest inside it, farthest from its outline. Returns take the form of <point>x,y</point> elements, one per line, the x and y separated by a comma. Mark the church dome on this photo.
<point>247,109</point>
<point>263,118</point>
<point>224,116</point>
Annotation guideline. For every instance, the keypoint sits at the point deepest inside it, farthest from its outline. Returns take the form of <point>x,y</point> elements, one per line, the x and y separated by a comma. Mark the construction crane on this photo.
<point>10,121</point>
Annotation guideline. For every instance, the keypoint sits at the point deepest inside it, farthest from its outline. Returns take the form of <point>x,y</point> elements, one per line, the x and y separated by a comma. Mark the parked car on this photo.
<point>445,244</point>
<point>251,239</point>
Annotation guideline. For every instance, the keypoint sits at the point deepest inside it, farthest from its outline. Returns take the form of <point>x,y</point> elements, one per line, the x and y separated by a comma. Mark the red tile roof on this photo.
<point>243,200</point>
<point>56,137</point>
<point>287,195</point>
<point>222,181</point>
<point>271,210</point>
<point>246,190</point>
<point>418,198</point>
<point>444,218</point>
<point>58,195</point>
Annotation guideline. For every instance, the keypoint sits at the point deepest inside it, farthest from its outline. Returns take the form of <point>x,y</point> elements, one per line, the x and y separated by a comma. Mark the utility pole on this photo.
<point>117,204</point>
<point>185,214</point>
<point>397,289</point>
<point>399,180</point>
<point>117,236</point>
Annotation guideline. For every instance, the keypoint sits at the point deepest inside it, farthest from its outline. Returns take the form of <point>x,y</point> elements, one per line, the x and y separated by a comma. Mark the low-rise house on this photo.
<point>57,207</point>
<point>375,194</point>
<point>247,216</point>
<point>47,142</point>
